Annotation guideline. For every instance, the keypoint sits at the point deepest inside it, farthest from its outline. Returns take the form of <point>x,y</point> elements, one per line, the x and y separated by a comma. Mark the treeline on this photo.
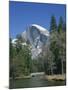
<point>20,58</point>
<point>52,59</point>
<point>54,53</point>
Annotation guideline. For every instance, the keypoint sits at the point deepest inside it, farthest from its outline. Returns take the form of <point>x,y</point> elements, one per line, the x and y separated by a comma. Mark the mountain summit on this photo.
<point>37,36</point>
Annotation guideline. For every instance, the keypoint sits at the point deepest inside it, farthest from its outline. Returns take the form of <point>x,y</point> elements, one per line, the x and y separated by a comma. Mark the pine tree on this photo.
<point>61,24</point>
<point>53,25</point>
<point>62,41</point>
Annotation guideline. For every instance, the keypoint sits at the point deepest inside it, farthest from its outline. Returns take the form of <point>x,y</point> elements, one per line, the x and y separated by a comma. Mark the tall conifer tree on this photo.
<point>60,26</point>
<point>53,25</point>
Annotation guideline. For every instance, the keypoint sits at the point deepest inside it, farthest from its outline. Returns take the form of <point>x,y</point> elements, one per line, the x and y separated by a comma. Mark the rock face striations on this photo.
<point>38,36</point>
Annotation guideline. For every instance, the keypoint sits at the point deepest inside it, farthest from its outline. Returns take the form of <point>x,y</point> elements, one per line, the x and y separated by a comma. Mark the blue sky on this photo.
<point>22,14</point>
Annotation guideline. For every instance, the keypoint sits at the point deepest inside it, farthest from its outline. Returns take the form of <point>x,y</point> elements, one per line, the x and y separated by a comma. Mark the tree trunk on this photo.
<point>62,66</point>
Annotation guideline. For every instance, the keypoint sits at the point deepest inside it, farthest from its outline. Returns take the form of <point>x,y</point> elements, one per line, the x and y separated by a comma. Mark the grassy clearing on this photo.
<point>55,77</point>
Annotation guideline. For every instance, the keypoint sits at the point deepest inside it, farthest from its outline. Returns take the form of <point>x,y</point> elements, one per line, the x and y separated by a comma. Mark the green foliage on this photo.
<point>60,26</point>
<point>52,60</point>
<point>54,54</point>
<point>12,55</point>
<point>53,25</point>
<point>20,57</point>
<point>22,61</point>
<point>57,45</point>
<point>38,65</point>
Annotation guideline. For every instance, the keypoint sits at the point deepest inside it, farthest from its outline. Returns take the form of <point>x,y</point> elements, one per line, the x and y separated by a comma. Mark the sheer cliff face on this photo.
<point>38,36</point>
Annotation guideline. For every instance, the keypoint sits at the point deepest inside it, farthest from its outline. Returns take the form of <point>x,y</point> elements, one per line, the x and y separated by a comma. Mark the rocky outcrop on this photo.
<point>38,36</point>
